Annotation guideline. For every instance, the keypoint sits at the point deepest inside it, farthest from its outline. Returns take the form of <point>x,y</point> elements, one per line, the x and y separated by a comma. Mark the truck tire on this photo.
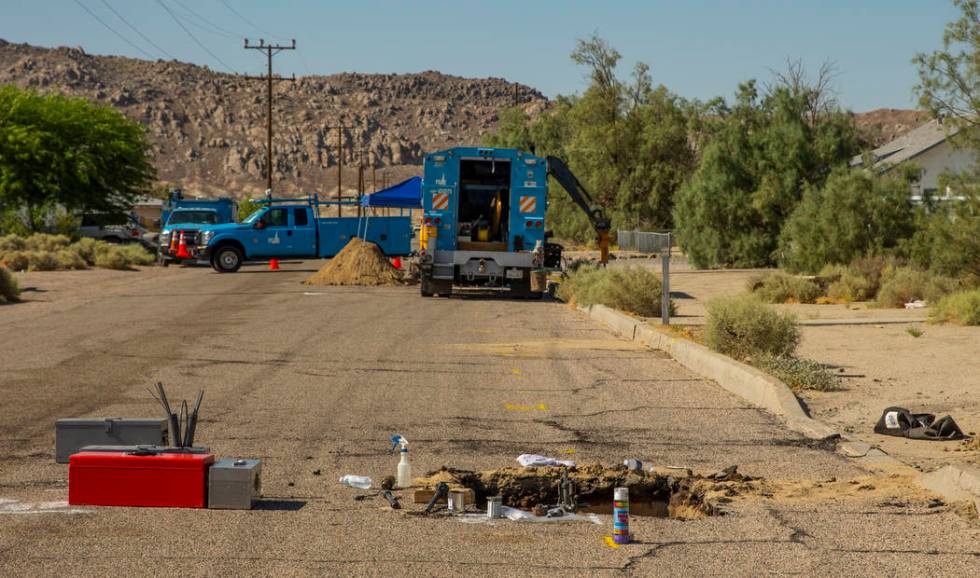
<point>425,287</point>
<point>227,259</point>
<point>520,288</point>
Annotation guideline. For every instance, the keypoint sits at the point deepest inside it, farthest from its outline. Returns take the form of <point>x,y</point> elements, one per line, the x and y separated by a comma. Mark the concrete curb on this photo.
<point>747,382</point>
<point>955,483</point>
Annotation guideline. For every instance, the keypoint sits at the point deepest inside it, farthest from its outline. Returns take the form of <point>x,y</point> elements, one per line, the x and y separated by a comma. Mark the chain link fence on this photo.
<point>642,241</point>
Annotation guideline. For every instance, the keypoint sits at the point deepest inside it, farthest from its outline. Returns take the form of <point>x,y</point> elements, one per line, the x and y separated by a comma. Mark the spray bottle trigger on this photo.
<point>395,440</point>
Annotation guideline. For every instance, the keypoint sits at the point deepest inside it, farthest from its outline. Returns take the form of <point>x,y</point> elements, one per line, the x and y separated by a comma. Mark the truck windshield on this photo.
<point>193,217</point>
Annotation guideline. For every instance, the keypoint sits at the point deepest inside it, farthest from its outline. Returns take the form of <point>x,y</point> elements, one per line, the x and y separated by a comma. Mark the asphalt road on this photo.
<point>319,378</point>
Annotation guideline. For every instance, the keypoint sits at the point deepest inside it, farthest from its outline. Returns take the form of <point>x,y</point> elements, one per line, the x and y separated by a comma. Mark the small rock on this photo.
<point>316,472</point>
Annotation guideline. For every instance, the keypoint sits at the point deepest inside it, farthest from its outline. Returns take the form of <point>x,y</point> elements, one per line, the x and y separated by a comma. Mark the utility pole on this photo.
<point>340,161</point>
<point>270,51</point>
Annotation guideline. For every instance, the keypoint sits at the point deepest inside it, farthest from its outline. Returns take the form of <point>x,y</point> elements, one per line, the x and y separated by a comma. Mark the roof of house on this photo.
<point>909,145</point>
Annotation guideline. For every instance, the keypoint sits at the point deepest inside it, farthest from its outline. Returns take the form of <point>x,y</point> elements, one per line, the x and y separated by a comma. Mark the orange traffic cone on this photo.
<point>396,263</point>
<point>173,242</point>
<point>273,264</point>
<point>182,252</point>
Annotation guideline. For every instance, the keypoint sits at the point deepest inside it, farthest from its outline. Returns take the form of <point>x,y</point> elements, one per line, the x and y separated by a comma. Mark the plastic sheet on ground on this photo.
<point>536,461</point>
<point>517,515</point>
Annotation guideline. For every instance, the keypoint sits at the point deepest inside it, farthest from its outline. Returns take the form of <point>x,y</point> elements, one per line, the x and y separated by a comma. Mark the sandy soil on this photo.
<point>880,363</point>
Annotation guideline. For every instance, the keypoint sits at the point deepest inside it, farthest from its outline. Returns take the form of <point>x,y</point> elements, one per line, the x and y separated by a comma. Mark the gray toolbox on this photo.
<point>233,484</point>
<point>75,433</point>
<point>145,449</point>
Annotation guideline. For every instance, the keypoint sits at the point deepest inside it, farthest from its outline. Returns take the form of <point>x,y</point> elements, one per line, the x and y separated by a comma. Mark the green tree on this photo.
<point>949,79</point>
<point>853,215</point>
<point>626,141</point>
<point>68,152</point>
<point>948,238</point>
<point>759,155</point>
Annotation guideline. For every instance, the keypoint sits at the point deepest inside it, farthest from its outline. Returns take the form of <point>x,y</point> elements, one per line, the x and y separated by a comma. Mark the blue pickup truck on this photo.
<point>185,215</point>
<point>293,229</point>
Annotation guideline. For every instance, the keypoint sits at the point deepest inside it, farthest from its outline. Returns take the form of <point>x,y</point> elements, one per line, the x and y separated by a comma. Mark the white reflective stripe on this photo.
<point>528,204</point>
<point>440,201</point>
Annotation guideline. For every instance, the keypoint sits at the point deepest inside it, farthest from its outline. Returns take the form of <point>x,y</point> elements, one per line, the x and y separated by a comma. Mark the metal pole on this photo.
<point>665,305</point>
<point>340,164</point>
<point>268,124</point>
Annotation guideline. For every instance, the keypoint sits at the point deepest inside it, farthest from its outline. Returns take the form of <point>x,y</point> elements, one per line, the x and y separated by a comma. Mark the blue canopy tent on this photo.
<point>405,195</point>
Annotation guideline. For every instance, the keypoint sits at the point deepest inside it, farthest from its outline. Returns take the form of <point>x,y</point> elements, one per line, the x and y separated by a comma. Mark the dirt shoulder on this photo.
<point>879,362</point>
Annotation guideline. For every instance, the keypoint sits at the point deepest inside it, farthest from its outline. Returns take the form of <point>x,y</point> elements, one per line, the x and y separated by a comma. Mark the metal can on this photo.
<point>457,501</point>
<point>621,515</point>
<point>495,507</point>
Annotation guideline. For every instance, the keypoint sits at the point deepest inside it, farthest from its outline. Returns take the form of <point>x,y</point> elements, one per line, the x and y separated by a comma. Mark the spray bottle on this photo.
<point>404,477</point>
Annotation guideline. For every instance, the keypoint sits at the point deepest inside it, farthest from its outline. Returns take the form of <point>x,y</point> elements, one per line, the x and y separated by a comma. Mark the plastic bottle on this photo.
<point>359,482</point>
<point>404,477</point>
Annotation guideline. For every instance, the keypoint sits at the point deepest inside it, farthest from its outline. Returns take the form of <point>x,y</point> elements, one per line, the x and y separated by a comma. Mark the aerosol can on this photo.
<point>404,477</point>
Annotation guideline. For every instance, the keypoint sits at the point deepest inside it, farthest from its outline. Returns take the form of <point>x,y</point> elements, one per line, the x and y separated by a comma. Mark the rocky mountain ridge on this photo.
<point>208,128</point>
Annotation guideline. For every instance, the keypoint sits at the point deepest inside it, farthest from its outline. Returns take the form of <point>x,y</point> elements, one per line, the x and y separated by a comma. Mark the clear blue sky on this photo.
<point>698,49</point>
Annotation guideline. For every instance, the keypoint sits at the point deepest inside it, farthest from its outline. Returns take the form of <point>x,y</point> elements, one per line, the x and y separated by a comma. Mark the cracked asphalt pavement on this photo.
<point>317,378</point>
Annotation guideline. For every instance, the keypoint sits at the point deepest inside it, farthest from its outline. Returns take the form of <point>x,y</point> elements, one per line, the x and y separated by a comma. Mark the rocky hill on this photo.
<point>208,128</point>
<point>883,125</point>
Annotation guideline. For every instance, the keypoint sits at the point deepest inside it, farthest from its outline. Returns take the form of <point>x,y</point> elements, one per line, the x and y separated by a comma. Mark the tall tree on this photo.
<point>625,140</point>
<point>949,79</point>
<point>68,152</point>
<point>760,154</point>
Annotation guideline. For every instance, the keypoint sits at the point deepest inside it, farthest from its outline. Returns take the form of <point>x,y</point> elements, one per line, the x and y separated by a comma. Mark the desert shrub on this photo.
<point>86,248</point>
<point>778,287</point>
<point>45,242</point>
<point>742,327</point>
<point>798,373</point>
<point>136,255</point>
<point>948,238</point>
<point>635,290</point>
<point>860,280</point>
<point>11,243</point>
<point>41,261</point>
<point>68,259</point>
<point>9,291</point>
<point>901,285</point>
<point>962,307</point>
<point>15,260</point>
<point>112,257</point>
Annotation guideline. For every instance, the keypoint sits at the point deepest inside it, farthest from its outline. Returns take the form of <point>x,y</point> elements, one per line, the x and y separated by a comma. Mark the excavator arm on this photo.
<point>581,197</point>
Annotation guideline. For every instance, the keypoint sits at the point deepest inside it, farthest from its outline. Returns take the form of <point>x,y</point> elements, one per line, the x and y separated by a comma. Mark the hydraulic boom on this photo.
<point>581,197</point>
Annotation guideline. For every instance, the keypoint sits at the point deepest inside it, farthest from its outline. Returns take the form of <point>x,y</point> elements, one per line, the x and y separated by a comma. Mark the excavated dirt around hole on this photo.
<point>359,263</point>
<point>675,494</point>
<point>651,494</point>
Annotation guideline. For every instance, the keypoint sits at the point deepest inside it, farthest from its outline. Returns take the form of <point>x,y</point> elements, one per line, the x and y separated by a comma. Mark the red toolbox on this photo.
<point>167,480</point>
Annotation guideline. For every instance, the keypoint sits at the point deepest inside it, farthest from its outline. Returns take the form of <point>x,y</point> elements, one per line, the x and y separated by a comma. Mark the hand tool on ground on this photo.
<point>442,491</point>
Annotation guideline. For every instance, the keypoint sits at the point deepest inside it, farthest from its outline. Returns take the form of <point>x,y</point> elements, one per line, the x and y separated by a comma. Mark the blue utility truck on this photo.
<point>181,214</point>
<point>483,220</point>
<point>294,229</point>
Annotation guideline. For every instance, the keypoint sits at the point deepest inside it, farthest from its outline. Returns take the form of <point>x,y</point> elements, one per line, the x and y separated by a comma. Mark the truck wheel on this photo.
<point>227,259</point>
<point>520,288</point>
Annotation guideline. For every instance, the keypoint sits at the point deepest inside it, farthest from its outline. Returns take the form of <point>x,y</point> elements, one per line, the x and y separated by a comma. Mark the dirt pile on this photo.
<point>685,495</point>
<point>359,263</point>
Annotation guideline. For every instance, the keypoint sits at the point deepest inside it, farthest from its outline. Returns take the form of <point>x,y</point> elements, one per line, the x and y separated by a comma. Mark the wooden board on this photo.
<point>423,495</point>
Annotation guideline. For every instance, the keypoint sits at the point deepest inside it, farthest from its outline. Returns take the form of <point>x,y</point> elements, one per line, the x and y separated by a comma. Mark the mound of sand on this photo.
<point>359,263</point>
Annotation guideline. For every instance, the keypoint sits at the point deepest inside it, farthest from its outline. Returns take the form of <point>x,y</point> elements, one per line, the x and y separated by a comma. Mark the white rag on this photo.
<point>536,461</point>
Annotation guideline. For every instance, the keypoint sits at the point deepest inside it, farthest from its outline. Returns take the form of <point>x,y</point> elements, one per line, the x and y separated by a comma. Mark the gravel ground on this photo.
<point>319,379</point>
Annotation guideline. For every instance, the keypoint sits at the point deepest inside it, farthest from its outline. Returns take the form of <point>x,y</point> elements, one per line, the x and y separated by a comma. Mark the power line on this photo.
<point>245,20</point>
<point>194,38</point>
<point>214,26</point>
<point>134,29</point>
<point>114,31</point>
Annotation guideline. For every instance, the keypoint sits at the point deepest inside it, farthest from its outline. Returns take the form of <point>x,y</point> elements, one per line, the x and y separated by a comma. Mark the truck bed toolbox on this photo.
<point>168,480</point>
<point>74,433</point>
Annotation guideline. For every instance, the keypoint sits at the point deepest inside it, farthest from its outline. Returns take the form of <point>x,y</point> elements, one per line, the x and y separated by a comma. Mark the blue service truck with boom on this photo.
<point>293,229</point>
<point>483,220</point>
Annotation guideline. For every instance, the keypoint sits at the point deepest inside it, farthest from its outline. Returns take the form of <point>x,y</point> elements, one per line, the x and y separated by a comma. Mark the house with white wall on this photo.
<point>929,148</point>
